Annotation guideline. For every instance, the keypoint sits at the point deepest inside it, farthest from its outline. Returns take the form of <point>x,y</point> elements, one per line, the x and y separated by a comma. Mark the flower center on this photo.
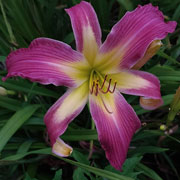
<point>99,83</point>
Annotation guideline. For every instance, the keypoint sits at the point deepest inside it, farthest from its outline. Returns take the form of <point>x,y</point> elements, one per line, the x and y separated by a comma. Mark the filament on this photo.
<point>104,82</point>
<point>92,89</point>
<point>113,88</point>
<point>95,86</point>
<point>96,93</point>
<point>108,88</point>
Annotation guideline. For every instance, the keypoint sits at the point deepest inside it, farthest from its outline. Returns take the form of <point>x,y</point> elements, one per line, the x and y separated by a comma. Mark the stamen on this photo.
<point>104,82</point>
<point>113,88</point>
<point>96,93</point>
<point>92,89</point>
<point>95,87</point>
<point>108,88</point>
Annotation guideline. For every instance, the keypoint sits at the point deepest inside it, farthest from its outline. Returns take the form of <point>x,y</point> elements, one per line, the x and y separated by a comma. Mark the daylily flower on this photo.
<point>96,73</point>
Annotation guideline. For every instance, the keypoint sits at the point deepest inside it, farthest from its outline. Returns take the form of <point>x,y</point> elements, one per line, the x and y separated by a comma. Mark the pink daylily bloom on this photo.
<point>96,73</point>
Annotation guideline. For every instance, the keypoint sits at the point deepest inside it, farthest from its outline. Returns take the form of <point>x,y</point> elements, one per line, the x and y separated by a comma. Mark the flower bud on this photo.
<point>150,104</point>
<point>150,52</point>
<point>163,127</point>
<point>3,91</point>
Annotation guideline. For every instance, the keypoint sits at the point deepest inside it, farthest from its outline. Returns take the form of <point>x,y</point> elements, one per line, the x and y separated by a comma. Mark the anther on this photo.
<point>108,88</point>
<point>96,86</point>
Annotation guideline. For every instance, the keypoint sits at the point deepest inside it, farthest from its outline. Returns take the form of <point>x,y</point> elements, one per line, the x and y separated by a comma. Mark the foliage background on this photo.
<point>25,152</point>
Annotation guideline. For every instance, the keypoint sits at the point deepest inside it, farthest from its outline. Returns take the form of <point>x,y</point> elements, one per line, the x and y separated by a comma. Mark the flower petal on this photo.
<point>62,113</point>
<point>137,83</point>
<point>115,127</point>
<point>131,36</point>
<point>45,61</point>
<point>86,29</point>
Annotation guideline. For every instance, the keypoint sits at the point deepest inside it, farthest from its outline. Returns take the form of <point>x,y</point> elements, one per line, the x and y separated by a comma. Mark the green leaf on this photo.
<point>35,121</point>
<point>58,175</point>
<point>8,26</point>
<point>127,4</point>
<point>148,172</point>
<point>15,122</point>
<point>130,164</point>
<point>77,135</point>
<point>97,171</point>
<point>79,174</point>
<point>141,135</point>
<point>10,103</point>
<point>149,149</point>
<point>69,38</point>
<point>2,58</point>
<point>176,14</point>
<point>80,157</point>
<point>17,157</point>
<point>169,58</point>
<point>161,133</point>
<point>24,147</point>
<point>128,167</point>
<point>27,87</point>
<point>168,159</point>
<point>27,177</point>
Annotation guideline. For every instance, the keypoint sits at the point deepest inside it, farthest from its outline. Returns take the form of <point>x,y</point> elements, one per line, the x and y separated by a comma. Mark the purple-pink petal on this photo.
<point>132,35</point>
<point>45,61</point>
<point>64,111</point>
<point>150,88</point>
<point>83,15</point>
<point>56,129</point>
<point>115,129</point>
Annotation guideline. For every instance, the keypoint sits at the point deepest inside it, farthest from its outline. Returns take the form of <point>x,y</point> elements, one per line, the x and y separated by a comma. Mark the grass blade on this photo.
<point>97,171</point>
<point>15,122</point>
<point>148,172</point>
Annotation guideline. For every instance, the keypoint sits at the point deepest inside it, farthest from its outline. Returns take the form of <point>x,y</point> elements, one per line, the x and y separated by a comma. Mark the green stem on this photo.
<point>174,107</point>
<point>91,141</point>
<point>171,117</point>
